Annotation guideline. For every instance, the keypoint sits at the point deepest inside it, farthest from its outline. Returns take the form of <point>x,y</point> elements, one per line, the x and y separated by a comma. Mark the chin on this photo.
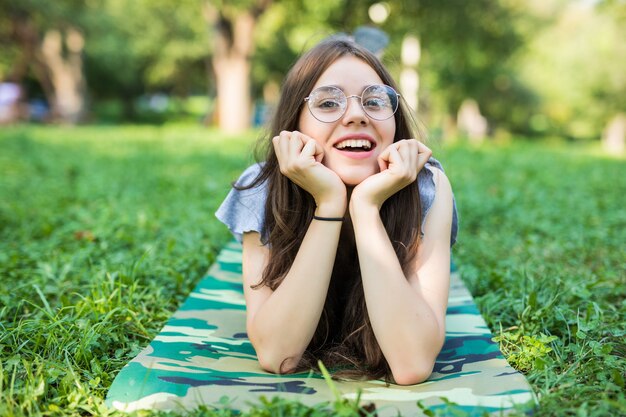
<point>350,182</point>
<point>354,177</point>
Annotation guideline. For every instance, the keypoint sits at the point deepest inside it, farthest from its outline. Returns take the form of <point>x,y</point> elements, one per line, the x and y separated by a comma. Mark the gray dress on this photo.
<point>244,210</point>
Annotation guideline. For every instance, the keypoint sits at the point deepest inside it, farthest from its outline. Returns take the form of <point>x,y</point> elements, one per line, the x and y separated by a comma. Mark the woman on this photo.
<point>346,250</point>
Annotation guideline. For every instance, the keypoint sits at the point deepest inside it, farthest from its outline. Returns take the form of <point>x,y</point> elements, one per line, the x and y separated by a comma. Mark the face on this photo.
<point>344,141</point>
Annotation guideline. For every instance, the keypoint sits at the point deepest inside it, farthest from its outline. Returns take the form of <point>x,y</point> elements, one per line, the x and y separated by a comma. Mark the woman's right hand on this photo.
<point>300,159</point>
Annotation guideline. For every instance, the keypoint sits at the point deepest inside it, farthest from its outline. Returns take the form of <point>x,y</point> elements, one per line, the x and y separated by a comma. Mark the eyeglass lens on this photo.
<point>328,104</point>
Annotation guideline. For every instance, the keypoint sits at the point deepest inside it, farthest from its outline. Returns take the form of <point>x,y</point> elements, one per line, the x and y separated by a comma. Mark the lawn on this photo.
<point>105,230</point>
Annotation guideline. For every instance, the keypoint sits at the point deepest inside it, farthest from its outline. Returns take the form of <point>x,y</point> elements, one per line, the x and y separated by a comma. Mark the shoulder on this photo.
<point>441,181</point>
<point>437,226</point>
<point>250,174</point>
<point>427,182</point>
<point>243,209</point>
<point>435,189</point>
<point>443,190</point>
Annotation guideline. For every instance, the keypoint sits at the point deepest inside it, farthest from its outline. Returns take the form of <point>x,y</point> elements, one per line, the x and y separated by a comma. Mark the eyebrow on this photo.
<point>330,85</point>
<point>343,89</point>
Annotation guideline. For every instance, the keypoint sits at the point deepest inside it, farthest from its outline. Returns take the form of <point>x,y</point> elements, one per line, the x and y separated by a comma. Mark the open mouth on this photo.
<point>355,145</point>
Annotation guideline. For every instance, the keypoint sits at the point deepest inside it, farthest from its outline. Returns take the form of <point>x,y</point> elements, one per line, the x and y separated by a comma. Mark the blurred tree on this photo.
<point>577,68</point>
<point>140,47</point>
<point>282,35</point>
<point>123,49</point>
<point>233,24</point>
<point>47,44</point>
<point>532,67</point>
<point>466,47</point>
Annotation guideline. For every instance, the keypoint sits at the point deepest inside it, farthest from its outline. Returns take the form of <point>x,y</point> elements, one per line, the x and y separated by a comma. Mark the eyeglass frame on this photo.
<point>307,98</point>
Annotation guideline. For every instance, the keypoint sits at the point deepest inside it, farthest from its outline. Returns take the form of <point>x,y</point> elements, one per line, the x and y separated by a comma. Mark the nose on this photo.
<point>354,111</point>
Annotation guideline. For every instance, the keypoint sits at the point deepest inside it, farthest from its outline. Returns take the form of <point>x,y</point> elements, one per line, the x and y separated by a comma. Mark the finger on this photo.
<point>308,150</point>
<point>283,143</point>
<point>319,151</point>
<point>394,156</point>
<point>424,154</point>
<point>383,158</point>
<point>295,144</point>
<point>276,142</point>
<point>401,143</point>
<point>424,149</point>
<point>399,154</point>
<point>414,153</point>
<point>406,151</point>
<point>382,165</point>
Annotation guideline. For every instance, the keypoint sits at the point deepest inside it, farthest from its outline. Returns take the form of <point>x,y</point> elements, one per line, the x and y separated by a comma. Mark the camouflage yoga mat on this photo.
<point>202,355</point>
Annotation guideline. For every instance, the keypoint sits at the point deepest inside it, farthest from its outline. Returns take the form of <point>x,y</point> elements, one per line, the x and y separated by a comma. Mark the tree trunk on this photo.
<point>614,137</point>
<point>232,73</point>
<point>27,37</point>
<point>409,78</point>
<point>470,122</point>
<point>66,73</point>
<point>233,39</point>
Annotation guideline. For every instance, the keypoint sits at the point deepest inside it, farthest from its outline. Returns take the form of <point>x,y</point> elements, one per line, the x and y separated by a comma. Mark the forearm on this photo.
<point>284,325</point>
<point>406,327</point>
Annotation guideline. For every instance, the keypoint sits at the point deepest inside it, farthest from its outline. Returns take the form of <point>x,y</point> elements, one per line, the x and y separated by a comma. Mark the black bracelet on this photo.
<point>329,219</point>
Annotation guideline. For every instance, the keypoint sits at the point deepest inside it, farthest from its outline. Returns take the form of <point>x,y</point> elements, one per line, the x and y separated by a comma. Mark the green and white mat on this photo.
<point>203,354</point>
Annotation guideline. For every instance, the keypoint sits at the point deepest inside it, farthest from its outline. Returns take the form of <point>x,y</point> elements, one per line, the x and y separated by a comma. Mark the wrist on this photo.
<point>330,209</point>
<point>362,202</point>
<point>359,209</point>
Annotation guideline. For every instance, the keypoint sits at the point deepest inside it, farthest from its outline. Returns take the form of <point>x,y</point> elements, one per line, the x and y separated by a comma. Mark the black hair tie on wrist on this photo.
<point>328,219</point>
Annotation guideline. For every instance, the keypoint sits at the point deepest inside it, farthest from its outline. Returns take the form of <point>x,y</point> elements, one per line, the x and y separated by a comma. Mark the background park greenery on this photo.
<point>105,228</point>
<point>536,67</point>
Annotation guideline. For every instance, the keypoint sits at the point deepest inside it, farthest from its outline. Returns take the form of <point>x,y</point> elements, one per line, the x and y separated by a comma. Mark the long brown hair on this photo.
<point>344,338</point>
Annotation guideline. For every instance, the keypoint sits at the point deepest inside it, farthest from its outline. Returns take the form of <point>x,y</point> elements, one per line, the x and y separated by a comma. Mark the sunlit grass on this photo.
<point>105,230</point>
<point>542,249</point>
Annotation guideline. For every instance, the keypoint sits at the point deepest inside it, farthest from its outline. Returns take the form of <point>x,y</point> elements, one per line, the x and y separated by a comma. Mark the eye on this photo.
<point>327,104</point>
<point>375,103</point>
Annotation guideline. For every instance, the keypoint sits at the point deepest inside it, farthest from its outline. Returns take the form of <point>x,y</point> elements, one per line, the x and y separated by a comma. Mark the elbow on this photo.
<point>412,374</point>
<point>277,364</point>
<point>415,367</point>
<point>268,365</point>
<point>273,357</point>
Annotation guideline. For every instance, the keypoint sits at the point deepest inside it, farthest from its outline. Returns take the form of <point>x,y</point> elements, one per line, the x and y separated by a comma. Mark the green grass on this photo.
<point>542,249</point>
<point>104,231</point>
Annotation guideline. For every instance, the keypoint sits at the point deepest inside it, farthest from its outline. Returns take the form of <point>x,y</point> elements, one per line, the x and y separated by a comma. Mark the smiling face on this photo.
<point>352,143</point>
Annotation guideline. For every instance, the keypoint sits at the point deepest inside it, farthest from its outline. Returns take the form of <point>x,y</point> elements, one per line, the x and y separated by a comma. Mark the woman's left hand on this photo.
<point>399,165</point>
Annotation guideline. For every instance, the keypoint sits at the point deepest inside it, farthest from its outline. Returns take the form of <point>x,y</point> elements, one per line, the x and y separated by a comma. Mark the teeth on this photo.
<point>354,143</point>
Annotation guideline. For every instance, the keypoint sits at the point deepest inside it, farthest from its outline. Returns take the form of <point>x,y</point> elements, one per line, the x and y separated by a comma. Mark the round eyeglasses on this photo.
<point>327,104</point>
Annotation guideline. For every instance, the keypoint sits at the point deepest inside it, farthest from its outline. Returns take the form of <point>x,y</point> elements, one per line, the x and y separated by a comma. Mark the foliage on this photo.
<point>466,51</point>
<point>283,35</point>
<point>524,352</point>
<point>19,19</point>
<point>146,46</point>
<point>582,84</point>
<point>131,48</point>
<point>536,67</point>
<point>104,231</point>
